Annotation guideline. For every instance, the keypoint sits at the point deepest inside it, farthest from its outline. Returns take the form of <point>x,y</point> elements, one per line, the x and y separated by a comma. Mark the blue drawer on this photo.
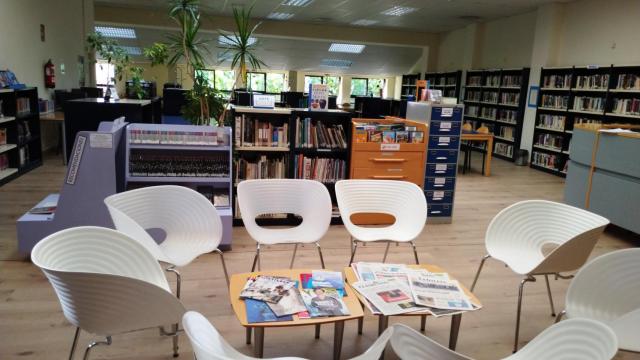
<point>442,156</point>
<point>444,142</point>
<point>447,127</point>
<point>439,210</point>
<point>439,183</point>
<point>439,196</point>
<point>436,114</point>
<point>448,170</point>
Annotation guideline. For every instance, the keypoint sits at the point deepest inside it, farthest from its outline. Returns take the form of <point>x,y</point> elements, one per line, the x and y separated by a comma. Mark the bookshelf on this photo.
<point>449,82</point>
<point>20,146</point>
<point>496,99</point>
<point>580,95</point>
<point>409,86</point>
<point>303,145</point>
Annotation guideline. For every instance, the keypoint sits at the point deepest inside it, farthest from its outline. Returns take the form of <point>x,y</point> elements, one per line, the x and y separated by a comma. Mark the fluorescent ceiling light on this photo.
<point>346,48</point>
<point>132,50</point>
<point>114,32</point>
<point>299,3</point>
<point>399,11</point>
<point>225,41</point>
<point>337,63</point>
<point>279,16</point>
<point>364,22</point>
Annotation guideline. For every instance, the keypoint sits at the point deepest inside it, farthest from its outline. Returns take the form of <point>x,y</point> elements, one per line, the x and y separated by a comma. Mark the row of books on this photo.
<point>472,110</point>
<point>387,133</point>
<point>512,80</point>
<point>24,131</point>
<point>545,160</point>
<point>4,162</point>
<point>274,298</point>
<point>587,103</point>
<point>210,165</point>
<point>238,215</point>
<point>596,81</point>
<point>262,168</point>
<point>503,149</point>
<point>626,106</point>
<point>474,81</point>
<point>490,97</point>
<point>554,122</point>
<point>492,80</point>
<point>138,136</point>
<point>557,81</point>
<point>326,170</point>
<point>23,106</point>
<point>508,115</point>
<point>550,141</point>
<point>473,95</point>
<point>586,121</point>
<point>628,82</point>
<point>506,132</point>
<point>254,132</point>
<point>510,98</point>
<point>488,113</point>
<point>218,197</point>
<point>319,135</point>
<point>555,101</point>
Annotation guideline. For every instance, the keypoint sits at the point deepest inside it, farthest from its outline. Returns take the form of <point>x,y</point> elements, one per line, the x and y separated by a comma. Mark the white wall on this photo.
<point>507,43</point>
<point>451,50</point>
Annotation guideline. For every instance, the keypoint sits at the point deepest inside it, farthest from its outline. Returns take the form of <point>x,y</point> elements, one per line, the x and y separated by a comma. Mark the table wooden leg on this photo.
<point>248,331</point>
<point>337,339</point>
<point>423,322</point>
<point>455,328</point>
<point>258,347</point>
<point>317,331</point>
<point>487,160</point>
<point>360,325</point>
<point>383,323</point>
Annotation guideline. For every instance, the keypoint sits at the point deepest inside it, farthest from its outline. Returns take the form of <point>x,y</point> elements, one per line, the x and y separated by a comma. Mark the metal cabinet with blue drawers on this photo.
<point>443,146</point>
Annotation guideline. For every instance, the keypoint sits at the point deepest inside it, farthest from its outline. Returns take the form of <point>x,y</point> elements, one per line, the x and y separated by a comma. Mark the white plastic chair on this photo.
<point>607,289</point>
<point>517,236</point>
<point>307,198</point>
<point>581,339</point>
<point>106,283</point>
<point>403,200</point>
<point>208,344</point>
<point>190,222</point>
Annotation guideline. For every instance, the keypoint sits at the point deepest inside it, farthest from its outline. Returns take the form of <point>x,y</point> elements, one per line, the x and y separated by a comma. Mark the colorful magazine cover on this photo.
<point>416,137</point>
<point>329,279</point>
<point>259,311</point>
<point>324,302</point>
<point>306,282</point>
<point>291,303</point>
<point>388,137</point>
<point>318,97</point>
<point>266,288</point>
<point>402,137</point>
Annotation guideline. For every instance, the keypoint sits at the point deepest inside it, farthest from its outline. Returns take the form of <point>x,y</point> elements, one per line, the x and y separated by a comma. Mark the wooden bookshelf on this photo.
<point>449,82</point>
<point>409,86</point>
<point>22,151</point>
<point>500,97</point>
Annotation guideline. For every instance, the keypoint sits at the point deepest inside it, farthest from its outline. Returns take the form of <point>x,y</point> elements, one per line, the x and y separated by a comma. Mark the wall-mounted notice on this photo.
<point>533,96</point>
<point>74,164</point>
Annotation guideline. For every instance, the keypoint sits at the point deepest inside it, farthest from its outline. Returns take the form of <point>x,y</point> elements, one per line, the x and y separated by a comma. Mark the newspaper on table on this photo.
<point>390,297</point>
<point>438,293</point>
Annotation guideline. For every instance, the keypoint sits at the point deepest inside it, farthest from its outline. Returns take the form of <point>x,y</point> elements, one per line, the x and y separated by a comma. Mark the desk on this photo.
<point>238,281</point>
<point>488,138</point>
<point>383,320</point>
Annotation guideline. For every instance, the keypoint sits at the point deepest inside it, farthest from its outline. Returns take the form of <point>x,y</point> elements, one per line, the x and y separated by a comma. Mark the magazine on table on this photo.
<point>390,297</point>
<point>266,288</point>
<point>259,311</point>
<point>291,303</point>
<point>324,302</point>
<point>329,279</point>
<point>306,280</point>
<point>437,293</point>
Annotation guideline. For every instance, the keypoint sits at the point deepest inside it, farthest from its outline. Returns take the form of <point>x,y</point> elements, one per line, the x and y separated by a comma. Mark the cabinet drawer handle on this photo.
<point>387,160</point>
<point>389,177</point>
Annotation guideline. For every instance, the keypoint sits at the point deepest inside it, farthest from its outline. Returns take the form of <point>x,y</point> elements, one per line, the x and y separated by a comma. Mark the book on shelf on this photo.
<point>472,110</point>
<point>319,135</point>
<point>489,113</point>
<point>557,81</point>
<point>218,197</point>
<point>587,103</point>
<point>626,106</point>
<point>511,81</point>
<point>555,101</point>
<point>264,167</point>
<point>474,81</point>
<point>544,160</point>
<point>140,136</point>
<point>549,141</point>
<point>490,97</point>
<point>492,80</point>
<point>506,132</point>
<point>503,149</point>
<point>326,170</point>
<point>473,95</point>
<point>23,106</point>
<point>510,98</point>
<point>506,115</point>
<point>592,82</point>
<point>553,122</point>
<point>387,133</point>
<point>628,82</point>
<point>586,121</point>
<point>142,163</point>
<point>254,132</point>
<point>4,162</point>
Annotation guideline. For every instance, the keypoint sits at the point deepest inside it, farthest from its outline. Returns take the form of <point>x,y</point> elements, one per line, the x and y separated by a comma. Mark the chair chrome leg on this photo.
<point>256,259</point>
<point>353,252</point>
<point>475,280</point>
<point>415,252</point>
<point>172,269</point>
<point>224,266</point>
<point>560,316</point>
<point>320,254</point>
<point>93,344</point>
<point>520,291</point>
<point>553,309</point>
<point>74,345</point>
<point>293,257</point>
<point>386,251</point>
<point>174,340</point>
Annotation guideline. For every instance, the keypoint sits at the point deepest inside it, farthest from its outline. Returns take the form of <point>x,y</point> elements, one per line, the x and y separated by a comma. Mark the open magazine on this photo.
<point>267,288</point>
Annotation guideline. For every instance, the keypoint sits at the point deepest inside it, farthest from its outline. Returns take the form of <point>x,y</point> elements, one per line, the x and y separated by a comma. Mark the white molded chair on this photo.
<point>309,199</point>
<point>518,235</point>
<point>106,283</point>
<point>190,222</point>
<point>607,289</point>
<point>570,340</point>
<point>208,344</point>
<point>403,200</point>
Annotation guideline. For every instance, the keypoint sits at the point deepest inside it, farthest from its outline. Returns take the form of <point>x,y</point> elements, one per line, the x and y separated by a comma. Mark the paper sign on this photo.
<point>441,167</point>
<point>264,101</point>
<point>447,112</point>
<point>444,139</point>
<point>445,125</point>
<point>438,194</point>
<point>439,181</point>
<point>389,147</point>
<point>74,164</point>
<point>101,141</point>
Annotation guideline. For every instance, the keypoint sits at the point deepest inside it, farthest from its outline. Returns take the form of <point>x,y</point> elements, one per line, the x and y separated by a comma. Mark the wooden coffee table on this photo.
<point>383,320</point>
<point>238,281</point>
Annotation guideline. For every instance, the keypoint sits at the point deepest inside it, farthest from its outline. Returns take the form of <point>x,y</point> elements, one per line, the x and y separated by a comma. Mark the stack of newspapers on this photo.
<point>392,289</point>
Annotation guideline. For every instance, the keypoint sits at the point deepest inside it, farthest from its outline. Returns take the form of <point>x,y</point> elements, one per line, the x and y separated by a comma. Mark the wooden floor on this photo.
<point>32,325</point>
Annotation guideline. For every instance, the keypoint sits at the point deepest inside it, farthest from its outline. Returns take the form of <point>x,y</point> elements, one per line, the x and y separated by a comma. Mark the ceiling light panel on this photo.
<point>132,50</point>
<point>336,63</point>
<point>298,3</point>
<point>346,48</point>
<point>225,41</point>
<point>279,16</point>
<point>114,32</point>
<point>364,22</point>
<point>399,11</point>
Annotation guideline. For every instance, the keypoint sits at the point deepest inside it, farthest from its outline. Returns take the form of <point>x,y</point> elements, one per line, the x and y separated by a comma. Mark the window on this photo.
<point>375,87</point>
<point>333,84</point>
<point>104,73</point>
<point>275,83</point>
<point>208,74</point>
<point>359,87</point>
<point>224,80</point>
<point>256,81</point>
<point>311,79</point>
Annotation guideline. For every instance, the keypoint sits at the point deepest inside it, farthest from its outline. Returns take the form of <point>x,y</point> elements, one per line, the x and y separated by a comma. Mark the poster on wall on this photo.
<point>318,97</point>
<point>533,96</point>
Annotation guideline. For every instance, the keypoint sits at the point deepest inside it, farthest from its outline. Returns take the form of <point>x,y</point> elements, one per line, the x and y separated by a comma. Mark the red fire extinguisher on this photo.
<point>49,75</point>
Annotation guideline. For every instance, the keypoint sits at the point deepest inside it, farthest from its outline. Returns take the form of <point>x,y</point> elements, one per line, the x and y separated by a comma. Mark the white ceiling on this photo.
<point>431,16</point>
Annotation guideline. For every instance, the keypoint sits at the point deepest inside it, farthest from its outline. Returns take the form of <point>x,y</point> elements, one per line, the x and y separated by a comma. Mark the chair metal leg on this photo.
<point>353,252</point>
<point>295,250</point>
<point>553,309</point>
<point>74,345</point>
<point>415,252</point>
<point>520,291</point>
<point>172,269</point>
<point>256,259</point>
<point>93,344</point>
<point>174,340</point>
<point>423,322</point>
<point>317,334</point>
<point>560,316</point>
<point>386,251</point>
<point>320,254</point>
<point>475,280</point>
<point>224,266</point>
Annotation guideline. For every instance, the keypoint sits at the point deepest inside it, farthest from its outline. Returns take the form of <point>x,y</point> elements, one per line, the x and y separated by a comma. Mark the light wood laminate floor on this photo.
<point>32,325</point>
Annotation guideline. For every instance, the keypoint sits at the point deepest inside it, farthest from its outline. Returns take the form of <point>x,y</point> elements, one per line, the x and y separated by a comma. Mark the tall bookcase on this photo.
<point>275,143</point>
<point>580,95</point>
<point>20,147</point>
<point>449,82</point>
<point>409,85</point>
<point>496,98</point>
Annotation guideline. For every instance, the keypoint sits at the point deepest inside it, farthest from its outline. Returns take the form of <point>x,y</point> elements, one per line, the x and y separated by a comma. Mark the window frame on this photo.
<point>366,86</point>
<point>264,80</point>
<point>306,89</point>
